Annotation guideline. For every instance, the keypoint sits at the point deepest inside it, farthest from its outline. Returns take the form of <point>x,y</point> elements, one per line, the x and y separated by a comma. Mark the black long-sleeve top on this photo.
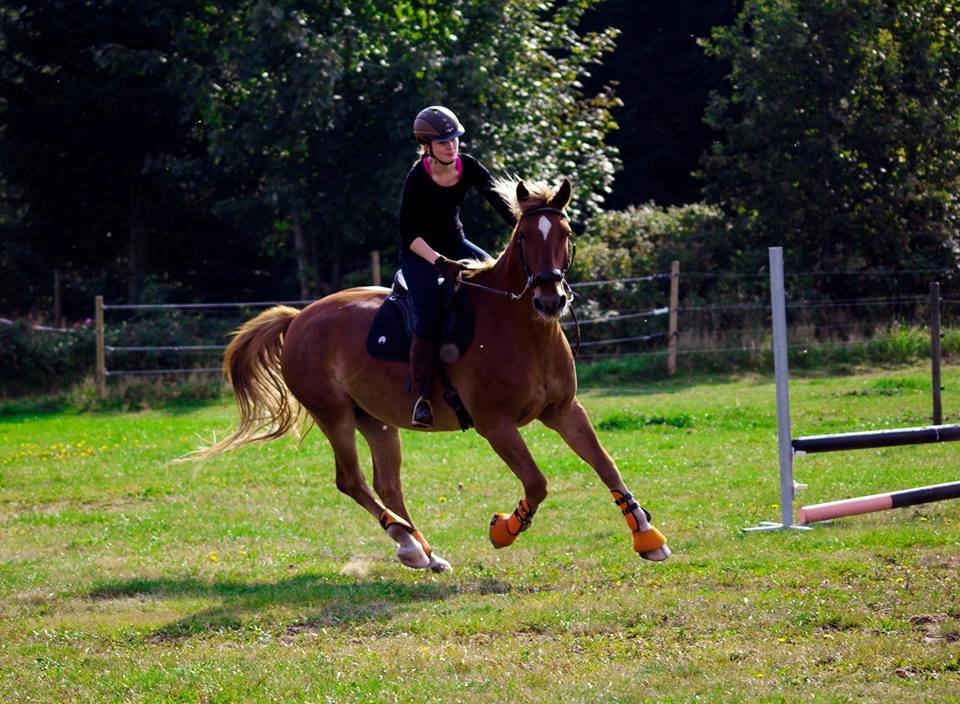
<point>432,211</point>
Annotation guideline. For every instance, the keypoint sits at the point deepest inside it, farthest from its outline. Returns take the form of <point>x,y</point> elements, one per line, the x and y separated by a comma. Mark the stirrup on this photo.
<point>422,413</point>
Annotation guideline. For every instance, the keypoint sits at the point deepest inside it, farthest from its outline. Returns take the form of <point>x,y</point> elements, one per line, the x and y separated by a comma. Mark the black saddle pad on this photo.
<point>392,328</point>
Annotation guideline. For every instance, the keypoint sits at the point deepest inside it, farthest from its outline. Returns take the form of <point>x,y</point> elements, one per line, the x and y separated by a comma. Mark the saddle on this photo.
<point>392,329</point>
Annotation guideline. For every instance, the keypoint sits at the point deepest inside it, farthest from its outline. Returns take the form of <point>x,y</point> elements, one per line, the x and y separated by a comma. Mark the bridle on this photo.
<point>533,280</point>
<point>556,275</point>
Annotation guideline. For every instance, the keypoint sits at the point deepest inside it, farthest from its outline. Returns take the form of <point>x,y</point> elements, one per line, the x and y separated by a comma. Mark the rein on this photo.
<point>555,275</point>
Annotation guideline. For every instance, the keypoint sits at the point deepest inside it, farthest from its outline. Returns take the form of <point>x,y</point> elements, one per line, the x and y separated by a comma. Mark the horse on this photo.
<point>288,367</point>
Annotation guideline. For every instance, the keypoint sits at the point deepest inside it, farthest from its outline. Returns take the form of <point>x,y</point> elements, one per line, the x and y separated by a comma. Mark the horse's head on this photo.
<point>543,240</point>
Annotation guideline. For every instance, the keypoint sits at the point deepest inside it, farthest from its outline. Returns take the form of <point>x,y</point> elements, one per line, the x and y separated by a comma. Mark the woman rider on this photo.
<point>431,234</point>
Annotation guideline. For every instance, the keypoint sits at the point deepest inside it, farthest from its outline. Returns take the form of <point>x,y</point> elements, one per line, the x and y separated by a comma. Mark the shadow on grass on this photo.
<point>333,601</point>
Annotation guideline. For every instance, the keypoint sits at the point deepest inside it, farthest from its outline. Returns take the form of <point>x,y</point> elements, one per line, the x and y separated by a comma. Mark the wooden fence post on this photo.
<point>101,370</point>
<point>672,329</point>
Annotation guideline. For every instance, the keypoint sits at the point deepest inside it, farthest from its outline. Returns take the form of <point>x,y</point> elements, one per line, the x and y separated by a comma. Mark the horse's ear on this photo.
<point>522,192</point>
<point>561,198</point>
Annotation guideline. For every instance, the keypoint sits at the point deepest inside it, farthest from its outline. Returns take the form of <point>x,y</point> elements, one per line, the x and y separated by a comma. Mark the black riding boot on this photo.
<point>421,367</point>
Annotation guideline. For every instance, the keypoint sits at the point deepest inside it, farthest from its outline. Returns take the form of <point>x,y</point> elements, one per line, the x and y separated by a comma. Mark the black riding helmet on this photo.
<point>436,124</point>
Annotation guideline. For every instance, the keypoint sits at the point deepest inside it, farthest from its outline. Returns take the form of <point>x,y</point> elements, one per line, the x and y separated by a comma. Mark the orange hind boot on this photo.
<point>504,528</point>
<point>646,538</point>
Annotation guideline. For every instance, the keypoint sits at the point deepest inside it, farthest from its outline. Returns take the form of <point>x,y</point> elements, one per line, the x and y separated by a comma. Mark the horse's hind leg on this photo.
<point>350,480</point>
<point>384,442</point>
<point>573,425</point>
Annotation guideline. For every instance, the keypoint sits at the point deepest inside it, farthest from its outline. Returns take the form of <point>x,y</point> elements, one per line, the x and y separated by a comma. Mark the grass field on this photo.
<point>250,578</point>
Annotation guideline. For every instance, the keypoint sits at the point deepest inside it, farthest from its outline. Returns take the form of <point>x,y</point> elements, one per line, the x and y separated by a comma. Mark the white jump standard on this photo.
<point>790,446</point>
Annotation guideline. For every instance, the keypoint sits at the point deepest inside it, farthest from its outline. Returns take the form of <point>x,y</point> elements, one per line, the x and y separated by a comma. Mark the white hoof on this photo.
<point>412,555</point>
<point>409,551</point>
<point>438,564</point>
<point>658,555</point>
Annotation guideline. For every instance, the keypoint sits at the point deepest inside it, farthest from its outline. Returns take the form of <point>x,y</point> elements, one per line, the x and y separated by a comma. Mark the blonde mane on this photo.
<point>506,188</point>
<point>540,194</point>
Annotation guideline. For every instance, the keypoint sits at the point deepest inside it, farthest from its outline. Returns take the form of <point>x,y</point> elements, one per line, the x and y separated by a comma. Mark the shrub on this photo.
<point>645,239</point>
<point>35,361</point>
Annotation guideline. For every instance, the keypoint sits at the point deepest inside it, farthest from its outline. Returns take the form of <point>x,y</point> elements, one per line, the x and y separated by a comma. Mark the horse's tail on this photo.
<point>251,364</point>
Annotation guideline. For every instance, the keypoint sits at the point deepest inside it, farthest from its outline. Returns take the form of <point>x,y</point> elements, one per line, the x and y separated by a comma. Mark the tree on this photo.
<point>522,75</point>
<point>163,140</point>
<point>85,110</point>
<point>309,105</point>
<point>664,79</point>
<point>840,137</point>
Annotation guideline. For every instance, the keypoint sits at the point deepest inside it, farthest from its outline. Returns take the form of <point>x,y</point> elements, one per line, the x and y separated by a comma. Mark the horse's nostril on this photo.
<point>550,307</point>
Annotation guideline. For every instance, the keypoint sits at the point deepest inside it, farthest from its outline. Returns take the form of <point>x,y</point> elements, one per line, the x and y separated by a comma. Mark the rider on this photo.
<point>431,234</point>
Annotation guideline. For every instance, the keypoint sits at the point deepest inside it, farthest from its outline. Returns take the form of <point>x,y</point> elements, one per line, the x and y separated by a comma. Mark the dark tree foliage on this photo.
<point>256,148</point>
<point>840,135</point>
<point>85,110</point>
<point>664,79</point>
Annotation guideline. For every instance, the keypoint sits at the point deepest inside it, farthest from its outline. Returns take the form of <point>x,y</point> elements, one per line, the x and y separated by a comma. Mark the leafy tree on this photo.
<point>309,106</point>
<point>840,137</point>
<point>162,141</point>
<point>522,76</point>
<point>85,109</point>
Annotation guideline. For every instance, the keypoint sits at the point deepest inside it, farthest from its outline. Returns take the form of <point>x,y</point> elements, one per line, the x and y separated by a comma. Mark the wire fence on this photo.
<point>629,316</point>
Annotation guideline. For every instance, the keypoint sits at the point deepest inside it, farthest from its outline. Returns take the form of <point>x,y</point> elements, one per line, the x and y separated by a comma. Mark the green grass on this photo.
<point>250,578</point>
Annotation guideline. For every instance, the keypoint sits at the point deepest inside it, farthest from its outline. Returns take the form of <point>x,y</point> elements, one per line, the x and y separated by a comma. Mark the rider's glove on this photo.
<point>448,268</point>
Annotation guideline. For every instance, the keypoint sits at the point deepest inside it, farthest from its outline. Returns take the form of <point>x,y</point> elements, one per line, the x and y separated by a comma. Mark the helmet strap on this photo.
<point>438,159</point>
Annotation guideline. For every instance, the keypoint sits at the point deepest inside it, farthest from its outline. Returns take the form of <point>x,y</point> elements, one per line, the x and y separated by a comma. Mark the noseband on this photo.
<point>551,275</point>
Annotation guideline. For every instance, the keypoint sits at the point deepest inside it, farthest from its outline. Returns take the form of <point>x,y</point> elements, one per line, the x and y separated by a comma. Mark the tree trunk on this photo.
<point>300,251</point>
<point>335,255</point>
<point>137,253</point>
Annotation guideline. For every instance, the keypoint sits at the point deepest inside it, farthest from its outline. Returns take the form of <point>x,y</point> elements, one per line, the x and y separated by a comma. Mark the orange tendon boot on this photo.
<point>504,528</point>
<point>646,538</point>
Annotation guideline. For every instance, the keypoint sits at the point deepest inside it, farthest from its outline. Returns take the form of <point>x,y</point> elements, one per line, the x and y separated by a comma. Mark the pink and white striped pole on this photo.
<point>878,502</point>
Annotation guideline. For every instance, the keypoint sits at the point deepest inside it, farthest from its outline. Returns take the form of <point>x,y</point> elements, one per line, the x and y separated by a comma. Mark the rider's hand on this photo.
<point>448,268</point>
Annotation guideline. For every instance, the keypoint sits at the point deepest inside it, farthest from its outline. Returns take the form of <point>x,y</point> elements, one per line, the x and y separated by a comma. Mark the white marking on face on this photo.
<point>544,226</point>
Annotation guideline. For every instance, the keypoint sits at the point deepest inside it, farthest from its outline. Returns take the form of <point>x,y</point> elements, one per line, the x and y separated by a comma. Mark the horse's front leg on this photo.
<point>573,425</point>
<point>506,441</point>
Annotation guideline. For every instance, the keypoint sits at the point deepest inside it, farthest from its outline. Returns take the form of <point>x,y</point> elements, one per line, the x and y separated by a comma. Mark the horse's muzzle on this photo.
<point>551,307</point>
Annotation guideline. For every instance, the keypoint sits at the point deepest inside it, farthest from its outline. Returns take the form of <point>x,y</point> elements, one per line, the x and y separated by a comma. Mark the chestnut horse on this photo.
<point>519,368</point>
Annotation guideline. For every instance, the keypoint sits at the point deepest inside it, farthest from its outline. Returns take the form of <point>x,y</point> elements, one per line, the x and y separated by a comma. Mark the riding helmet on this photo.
<point>436,124</point>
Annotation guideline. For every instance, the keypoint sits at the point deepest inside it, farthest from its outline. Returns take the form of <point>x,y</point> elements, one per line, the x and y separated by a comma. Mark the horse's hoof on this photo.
<point>412,555</point>
<point>438,564</point>
<point>658,555</point>
<point>500,534</point>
